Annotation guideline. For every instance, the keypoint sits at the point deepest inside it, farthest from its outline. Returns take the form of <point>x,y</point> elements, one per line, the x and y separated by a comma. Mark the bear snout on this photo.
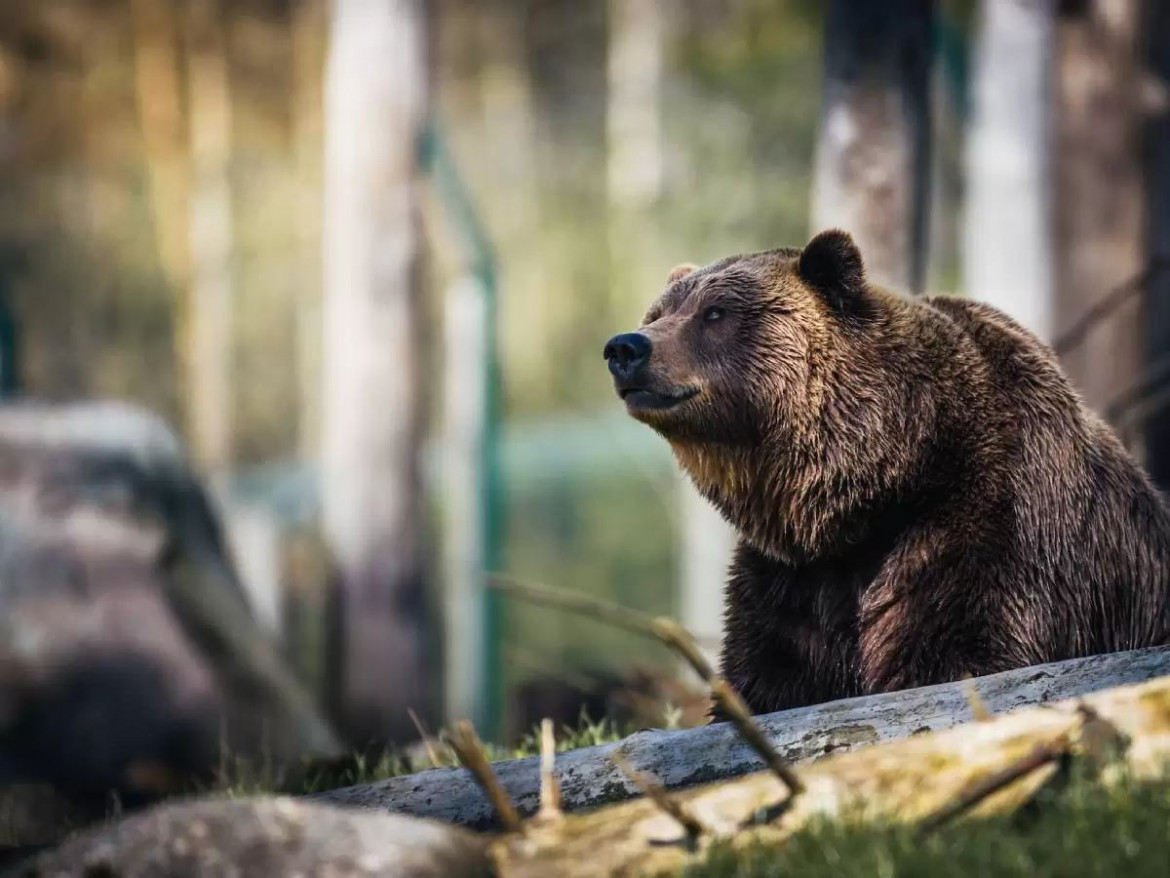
<point>626,354</point>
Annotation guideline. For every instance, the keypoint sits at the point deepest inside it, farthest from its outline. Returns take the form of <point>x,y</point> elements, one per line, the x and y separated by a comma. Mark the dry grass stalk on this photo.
<point>984,787</point>
<point>427,741</point>
<point>975,701</point>
<point>550,791</point>
<point>676,638</point>
<point>654,791</point>
<point>466,744</point>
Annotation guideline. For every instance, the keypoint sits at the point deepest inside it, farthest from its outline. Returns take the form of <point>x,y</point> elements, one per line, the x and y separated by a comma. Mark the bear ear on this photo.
<point>831,264</point>
<point>679,272</point>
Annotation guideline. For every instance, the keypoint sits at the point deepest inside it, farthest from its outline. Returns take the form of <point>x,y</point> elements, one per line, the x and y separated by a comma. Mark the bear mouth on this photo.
<point>645,398</point>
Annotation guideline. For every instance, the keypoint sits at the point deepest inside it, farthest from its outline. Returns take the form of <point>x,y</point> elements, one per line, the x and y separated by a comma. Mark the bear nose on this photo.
<point>625,353</point>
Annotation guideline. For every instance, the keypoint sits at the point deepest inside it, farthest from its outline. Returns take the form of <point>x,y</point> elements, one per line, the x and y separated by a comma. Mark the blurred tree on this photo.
<point>1157,349</point>
<point>207,323</point>
<point>376,102</point>
<point>308,23</point>
<point>160,112</point>
<point>1100,193</point>
<point>872,168</point>
<point>1007,236</point>
<point>637,32</point>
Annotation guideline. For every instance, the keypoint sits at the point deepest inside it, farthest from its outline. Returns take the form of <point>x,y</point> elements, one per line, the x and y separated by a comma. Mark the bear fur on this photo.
<point>919,493</point>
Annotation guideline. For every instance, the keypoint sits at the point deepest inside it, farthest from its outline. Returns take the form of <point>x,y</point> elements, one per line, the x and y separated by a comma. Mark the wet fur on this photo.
<point>919,492</point>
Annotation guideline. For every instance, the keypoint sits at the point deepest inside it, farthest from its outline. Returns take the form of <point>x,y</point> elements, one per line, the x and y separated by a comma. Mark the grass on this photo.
<point>241,778</point>
<point>1086,830</point>
<point>1081,828</point>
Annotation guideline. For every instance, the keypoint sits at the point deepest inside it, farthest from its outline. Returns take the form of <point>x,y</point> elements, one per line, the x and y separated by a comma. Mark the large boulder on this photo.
<point>130,661</point>
<point>263,838</point>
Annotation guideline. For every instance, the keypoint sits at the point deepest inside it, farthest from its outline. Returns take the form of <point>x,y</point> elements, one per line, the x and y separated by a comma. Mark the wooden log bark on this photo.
<point>687,757</point>
<point>918,781</point>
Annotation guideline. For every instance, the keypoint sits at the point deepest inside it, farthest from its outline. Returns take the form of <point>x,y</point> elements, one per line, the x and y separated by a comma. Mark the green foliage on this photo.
<point>747,111</point>
<point>612,538</point>
<point>1087,830</point>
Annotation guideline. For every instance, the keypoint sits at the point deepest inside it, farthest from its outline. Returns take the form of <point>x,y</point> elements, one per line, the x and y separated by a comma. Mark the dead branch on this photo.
<point>466,744</point>
<point>690,824</point>
<point>981,789</point>
<point>674,637</point>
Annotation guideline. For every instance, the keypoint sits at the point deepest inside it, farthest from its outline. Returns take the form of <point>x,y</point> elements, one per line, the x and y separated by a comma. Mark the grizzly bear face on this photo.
<point>725,352</point>
<point>766,374</point>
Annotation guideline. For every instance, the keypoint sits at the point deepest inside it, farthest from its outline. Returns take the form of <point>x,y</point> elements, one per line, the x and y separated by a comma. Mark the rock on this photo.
<point>129,658</point>
<point>262,838</point>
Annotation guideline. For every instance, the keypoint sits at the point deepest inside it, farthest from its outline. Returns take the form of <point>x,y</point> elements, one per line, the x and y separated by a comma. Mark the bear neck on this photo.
<point>743,488</point>
<point>782,506</point>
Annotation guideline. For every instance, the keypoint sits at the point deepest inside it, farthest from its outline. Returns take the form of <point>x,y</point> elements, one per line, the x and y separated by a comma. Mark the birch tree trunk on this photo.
<point>1100,204</point>
<point>376,99</point>
<point>208,322</point>
<point>1007,239</point>
<point>872,167</point>
<point>633,116</point>
<point>308,24</point>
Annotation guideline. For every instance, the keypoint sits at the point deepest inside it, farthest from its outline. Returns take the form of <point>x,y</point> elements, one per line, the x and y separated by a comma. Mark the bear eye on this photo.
<point>713,314</point>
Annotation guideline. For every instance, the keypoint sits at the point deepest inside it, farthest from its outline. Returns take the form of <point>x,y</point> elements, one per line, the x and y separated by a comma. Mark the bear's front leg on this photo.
<point>789,637</point>
<point>940,609</point>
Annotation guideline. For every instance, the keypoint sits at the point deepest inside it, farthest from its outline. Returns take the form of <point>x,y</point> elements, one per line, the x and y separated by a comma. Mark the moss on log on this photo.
<point>915,780</point>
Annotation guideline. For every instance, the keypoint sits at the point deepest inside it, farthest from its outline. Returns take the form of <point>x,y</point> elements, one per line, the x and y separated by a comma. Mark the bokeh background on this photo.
<point>363,257</point>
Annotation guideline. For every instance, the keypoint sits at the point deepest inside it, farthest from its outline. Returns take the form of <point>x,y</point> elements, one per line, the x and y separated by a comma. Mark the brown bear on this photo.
<point>919,492</point>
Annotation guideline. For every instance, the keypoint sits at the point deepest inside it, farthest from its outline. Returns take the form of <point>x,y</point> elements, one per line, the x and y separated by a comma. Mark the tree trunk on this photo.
<point>1100,206</point>
<point>872,168</point>
<point>160,113</point>
<point>309,20</point>
<point>376,101</point>
<point>1157,323</point>
<point>633,106</point>
<point>1008,236</point>
<point>467,683</point>
<point>208,322</point>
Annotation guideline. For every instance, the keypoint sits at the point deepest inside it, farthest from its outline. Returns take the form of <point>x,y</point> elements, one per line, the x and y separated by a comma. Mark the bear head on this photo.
<point>766,374</point>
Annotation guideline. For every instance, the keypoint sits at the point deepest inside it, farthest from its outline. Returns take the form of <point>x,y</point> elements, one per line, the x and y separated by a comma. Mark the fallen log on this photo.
<point>986,767</point>
<point>587,777</point>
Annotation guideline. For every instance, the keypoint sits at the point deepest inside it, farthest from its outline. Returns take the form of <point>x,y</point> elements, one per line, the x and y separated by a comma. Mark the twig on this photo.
<point>583,605</point>
<point>427,741</point>
<point>675,637</point>
<point>468,748</point>
<point>1109,303</point>
<point>975,702</point>
<point>1098,739</point>
<point>691,825</point>
<point>550,790</point>
<point>741,718</point>
<point>993,783</point>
